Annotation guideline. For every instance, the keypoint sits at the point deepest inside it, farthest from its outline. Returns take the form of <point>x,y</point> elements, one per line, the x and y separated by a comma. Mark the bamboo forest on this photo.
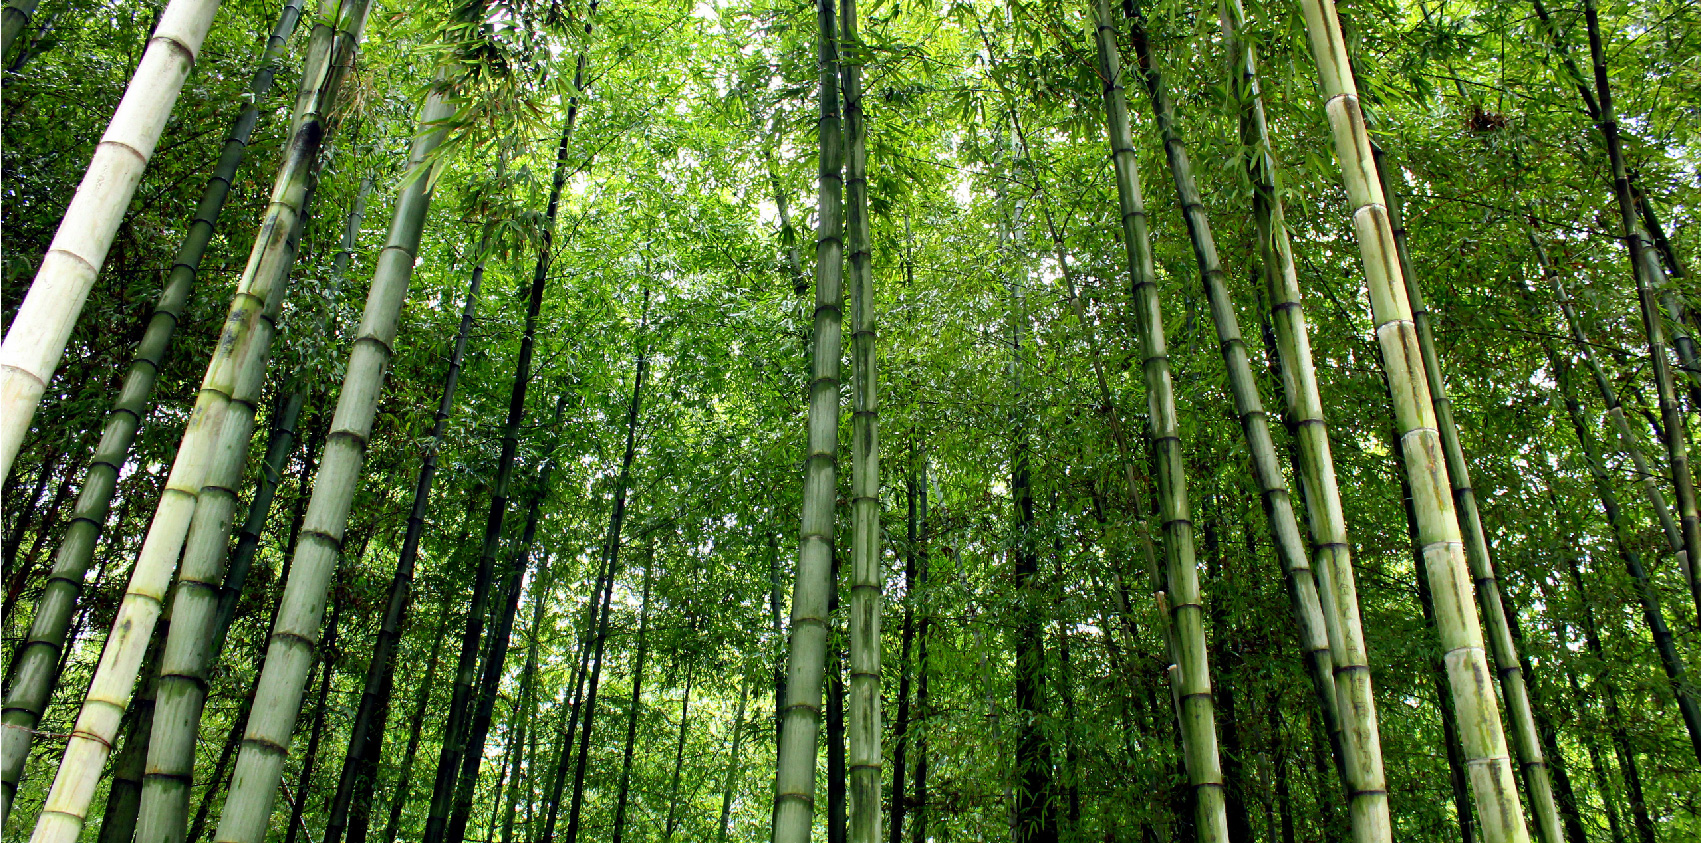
<point>850,421</point>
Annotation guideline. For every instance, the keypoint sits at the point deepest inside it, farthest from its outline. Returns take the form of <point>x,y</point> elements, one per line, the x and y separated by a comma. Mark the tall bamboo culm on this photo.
<point>36,338</point>
<point>806,656</point>
<point>1493,788</point>
<point>204,583</point>
<point>1514,685</point>
<point>1190,674</point>
<point>1650,279</point>
<point>217,435</point>
<point>867,575</point>
<point>1314,461</point>
<point>31,679</point>
<point>259,767</point>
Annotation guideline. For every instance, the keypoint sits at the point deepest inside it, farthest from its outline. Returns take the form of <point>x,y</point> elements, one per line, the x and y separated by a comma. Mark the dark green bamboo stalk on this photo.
<point>624,790</point>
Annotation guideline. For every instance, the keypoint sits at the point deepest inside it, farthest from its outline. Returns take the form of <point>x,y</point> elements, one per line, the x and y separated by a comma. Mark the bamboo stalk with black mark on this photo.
<point>216,436</point>
<point>28,688</point>
<point>259,767</point>
<point>1650,279</point>
<point>36,338</point>
<point>1192,681</point>
<point>366,735</point>
<point>806,655</point>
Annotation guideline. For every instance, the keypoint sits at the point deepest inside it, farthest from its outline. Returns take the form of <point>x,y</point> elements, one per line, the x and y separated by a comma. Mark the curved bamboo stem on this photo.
<point>1441,542</point>
<point>1514,685</point>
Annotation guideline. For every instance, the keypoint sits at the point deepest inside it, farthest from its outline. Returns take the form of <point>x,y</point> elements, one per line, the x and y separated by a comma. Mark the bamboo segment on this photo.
<point>1650,278</point>
<point>1191,673</point>
<point>1514,687</point>
<point>277,700</point>
<point>806,657</point>
<point>1356,705</point>
<point>367,733</point>
<point>32,669</point>
<point>38,333</point>
<point>1441,543</point>
<point>867,575</point>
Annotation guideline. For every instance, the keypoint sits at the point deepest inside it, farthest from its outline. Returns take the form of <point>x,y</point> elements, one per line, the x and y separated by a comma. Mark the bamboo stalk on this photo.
<point>259,767</point>
<point>867,573</point>
<point>1191,680</point>
<point>38,333</point>
<point>1360,751</point>
<point>1366,786</point>
<point>806,657</point>
<point>1650,279</point>
<point>31,682</point>
<point>217,435</point>
<point>1514,685</point>
<point>1441,542</point>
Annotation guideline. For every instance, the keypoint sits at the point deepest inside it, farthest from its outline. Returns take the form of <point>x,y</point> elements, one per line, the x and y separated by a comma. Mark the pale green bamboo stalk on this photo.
<point>259,767</point>
<point>198,594</point>
<point>1650,279</point>
<point>32,670</point>
<point>1493,788</point>
<point>867,576</point>
<point>217,433</point>
<point>1357,739</point>
<point>1191,675</point>
<point>39,331</point>
<point>1514,687</point>
<point>806,657</point>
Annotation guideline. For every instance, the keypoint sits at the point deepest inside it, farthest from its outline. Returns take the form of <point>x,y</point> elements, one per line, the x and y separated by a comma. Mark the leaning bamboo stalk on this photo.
<point>201,591</point>
<point>259,767</point>
<point>1650,278</point>
<point>31,672</point>
<point>1358,746</point>
<point>217,433</point>
<point>1441,542</point>
<point>1514,685</point>
<point>806,657</point>
<point>1620,423</point>
<point>367,732</point>
<point>867,576</point>
<point>1191,673</point>
<point>37,336</point>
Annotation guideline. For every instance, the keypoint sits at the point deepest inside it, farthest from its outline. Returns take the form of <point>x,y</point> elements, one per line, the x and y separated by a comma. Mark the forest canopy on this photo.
<point>878,421</point>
